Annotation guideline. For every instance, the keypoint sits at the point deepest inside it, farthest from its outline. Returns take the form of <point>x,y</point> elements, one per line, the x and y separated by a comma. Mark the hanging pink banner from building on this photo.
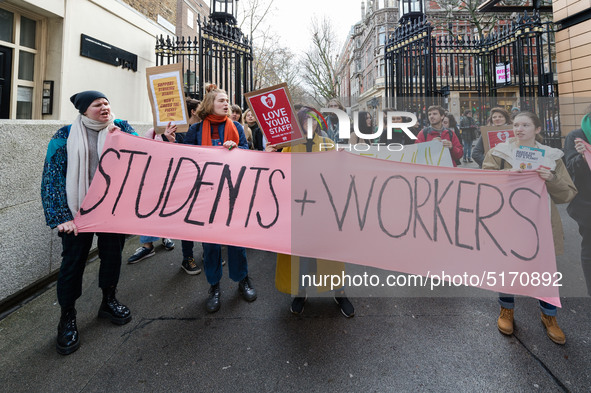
<point>490,227</point>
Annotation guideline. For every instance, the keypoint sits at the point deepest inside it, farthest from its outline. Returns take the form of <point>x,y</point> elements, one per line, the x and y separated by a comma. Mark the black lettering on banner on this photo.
<point>173,180</point>
<point>233,191</point>
<point>131,154</point>
<point>141,187</point>
<point>528,220</point>
<point>254,192</point>
<point>416,209</point>
<point>437,211</point>
<point>380,197</point>
<point>274,198</point>
<point>461,209</point>
<point>480,219</point>
<point>107,181</point>
<point>352,189</point>
<point>195,192</point>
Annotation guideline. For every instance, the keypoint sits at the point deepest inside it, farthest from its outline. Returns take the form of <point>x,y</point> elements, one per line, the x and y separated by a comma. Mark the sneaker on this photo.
<point>505,321</point>
<point>469,159</point>
<point>190,266</point>
<point>297,305</point>
<point>553,330</point>
<point>140,254</point>
<point>346,306</point>
<point>168,244</point>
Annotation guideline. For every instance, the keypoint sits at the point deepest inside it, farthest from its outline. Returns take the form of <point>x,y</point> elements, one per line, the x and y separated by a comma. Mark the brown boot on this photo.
<point>554,332</point>
<point>505,321</point>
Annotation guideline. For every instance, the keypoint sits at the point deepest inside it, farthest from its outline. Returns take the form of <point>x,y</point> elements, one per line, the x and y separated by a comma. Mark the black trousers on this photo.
<point>585,232</point>
<point>74,256</point>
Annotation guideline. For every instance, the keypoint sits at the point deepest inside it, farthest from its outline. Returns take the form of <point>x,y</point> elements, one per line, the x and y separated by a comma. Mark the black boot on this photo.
<point>112,309</point>
<point>213,303</point>
<point>246,290</point>
<point>68,339</point>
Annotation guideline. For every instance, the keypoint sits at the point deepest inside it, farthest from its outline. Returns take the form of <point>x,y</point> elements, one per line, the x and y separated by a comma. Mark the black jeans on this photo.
<point>585,232</point>
<point>74,256</point>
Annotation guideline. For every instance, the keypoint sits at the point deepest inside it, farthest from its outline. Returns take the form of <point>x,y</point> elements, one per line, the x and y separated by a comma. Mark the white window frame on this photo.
<point>40,59</point>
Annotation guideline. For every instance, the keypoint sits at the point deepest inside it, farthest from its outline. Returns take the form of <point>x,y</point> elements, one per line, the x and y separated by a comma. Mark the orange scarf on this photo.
<point>230,131</point>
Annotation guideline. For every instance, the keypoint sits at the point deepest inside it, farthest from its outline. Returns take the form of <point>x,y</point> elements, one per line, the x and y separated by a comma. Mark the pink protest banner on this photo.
<point>588,153</point>
<point>490,226</point>
<point>275,115</point>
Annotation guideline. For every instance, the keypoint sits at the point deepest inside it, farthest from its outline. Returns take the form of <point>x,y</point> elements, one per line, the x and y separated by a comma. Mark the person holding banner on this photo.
<point>580,207</point>
<point>437,131</point>
<point>498,117</point>
<point>216,129</point>
<point>70,164</point>
<point>527,127</point>
<point>290,269</point>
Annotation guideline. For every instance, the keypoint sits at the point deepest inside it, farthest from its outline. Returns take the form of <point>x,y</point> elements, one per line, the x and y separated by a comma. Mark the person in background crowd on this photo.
<point>71,161</point>
<point>580,207</point>
<point>284,268</point>
<point>498,117</point>
<point>468,128</point>
<point>216,129</point>
<point>237,116</point>
<point>252,127</point>
<point>527,127</point>
<point>436,131</point>
<point>333,120</point>
<point>398,136</point>
<point>449,121</point>
<point>365,127</point>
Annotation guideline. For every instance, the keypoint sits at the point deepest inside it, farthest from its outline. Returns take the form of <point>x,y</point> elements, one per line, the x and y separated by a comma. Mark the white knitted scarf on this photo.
<point>77,177</point>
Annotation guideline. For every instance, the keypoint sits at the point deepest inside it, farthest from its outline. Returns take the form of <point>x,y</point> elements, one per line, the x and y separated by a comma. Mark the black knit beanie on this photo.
<point>83,99</point>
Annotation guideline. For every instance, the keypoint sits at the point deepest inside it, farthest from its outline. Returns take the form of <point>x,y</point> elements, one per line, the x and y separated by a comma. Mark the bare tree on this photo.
<point>320,62</point>
<point>467,10</point>
<point>253,14</point>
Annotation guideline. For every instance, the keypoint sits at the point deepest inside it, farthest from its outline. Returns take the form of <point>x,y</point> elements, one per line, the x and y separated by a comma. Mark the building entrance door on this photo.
<point>5,75</point>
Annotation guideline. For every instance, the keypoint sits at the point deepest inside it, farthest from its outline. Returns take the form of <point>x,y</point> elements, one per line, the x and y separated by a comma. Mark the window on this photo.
<point>20,38</point>
<point>190,18</point>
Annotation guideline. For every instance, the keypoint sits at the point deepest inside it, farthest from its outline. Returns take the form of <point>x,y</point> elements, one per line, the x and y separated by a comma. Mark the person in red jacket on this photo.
<point>437,131</point>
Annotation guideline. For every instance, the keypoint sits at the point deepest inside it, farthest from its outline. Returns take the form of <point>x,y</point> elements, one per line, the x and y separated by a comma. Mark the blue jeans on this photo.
<point>212,262</point>
<point>508,301</point>
<point>467,148</point>
<point>148,239</point>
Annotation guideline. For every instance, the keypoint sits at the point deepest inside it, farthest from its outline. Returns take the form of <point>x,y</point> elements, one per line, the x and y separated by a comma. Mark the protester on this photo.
<point>217,129</point>
<point>71,161</point>
<point>333,120</point>
<point>436,131</point>
<point>252,127</point>
<point>527,127</point>
<point>365,127</point>
<point>514,112</point>
<point>284,267</point>
<point>468,129</point>
<point>449,121</point>
<point>580,207</point>
<point>498,117</point>
<point>398,136</point>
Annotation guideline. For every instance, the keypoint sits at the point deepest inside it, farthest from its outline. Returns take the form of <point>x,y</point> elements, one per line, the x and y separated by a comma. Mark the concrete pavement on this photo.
<point>400,343</point>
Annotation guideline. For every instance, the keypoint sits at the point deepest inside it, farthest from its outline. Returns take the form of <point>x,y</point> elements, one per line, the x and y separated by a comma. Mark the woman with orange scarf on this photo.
<point>217,129</point>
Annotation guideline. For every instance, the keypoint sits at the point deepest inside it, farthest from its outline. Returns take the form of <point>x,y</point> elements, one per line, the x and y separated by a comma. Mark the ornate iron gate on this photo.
<point>221,54</point>
<point>424,66</point>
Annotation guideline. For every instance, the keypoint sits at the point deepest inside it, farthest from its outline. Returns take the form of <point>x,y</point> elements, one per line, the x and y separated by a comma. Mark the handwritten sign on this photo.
<point>275,115</point>
<point>410,218</point>
<point>426,153</point>
<point>493,135</point>
<point>503,73</point>
<point>166,97</point>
